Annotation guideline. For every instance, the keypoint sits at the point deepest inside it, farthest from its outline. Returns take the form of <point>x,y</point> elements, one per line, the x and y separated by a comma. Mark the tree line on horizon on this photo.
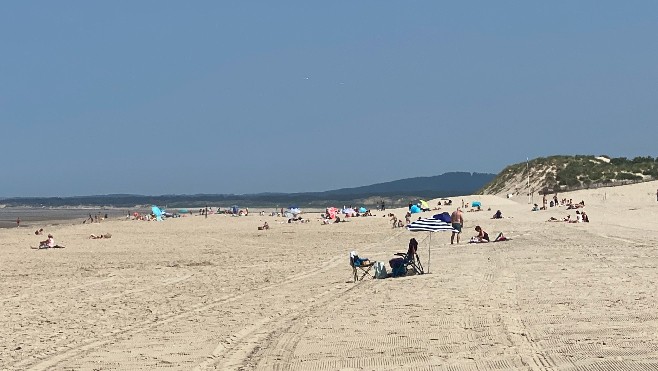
<point>394,193</point>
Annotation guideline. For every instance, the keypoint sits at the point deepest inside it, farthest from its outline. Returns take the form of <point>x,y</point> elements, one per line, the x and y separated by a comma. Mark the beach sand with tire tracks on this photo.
<point>198,293</point>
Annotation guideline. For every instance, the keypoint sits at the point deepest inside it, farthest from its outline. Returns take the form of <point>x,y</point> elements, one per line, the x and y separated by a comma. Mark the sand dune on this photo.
<point>216,293</point>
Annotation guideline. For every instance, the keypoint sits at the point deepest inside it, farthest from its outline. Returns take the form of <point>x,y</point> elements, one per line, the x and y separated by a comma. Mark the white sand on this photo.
<point>215,293</point>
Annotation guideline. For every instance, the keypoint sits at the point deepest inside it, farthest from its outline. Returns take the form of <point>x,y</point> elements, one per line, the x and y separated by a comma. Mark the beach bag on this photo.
<point>380,270</point>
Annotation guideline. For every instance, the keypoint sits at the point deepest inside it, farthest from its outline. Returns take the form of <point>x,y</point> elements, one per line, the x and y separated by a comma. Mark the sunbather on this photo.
<point>100,236</point>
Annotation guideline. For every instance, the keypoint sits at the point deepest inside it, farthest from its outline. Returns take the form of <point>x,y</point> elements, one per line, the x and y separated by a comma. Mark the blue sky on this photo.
<point>164,97</point>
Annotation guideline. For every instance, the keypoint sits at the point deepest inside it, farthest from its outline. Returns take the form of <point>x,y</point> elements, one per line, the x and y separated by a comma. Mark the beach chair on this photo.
<point>360,267</point>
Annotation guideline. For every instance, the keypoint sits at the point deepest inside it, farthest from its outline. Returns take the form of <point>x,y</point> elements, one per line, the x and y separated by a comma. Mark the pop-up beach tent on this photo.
<point>157,212</point>
<point>429,225</point>
<point>414,209</point>
<point>362,209</point>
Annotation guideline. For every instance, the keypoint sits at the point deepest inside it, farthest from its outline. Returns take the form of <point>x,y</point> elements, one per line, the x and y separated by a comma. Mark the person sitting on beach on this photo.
<point>585,217</point>
<point>535,207</point>
<point>39,231</point>
<point>412,250</point>
<point>49,243</point>
<point>264,227</point>
<point>400,223</point>
<point>482,235</point>
<point>337,219</point>
<point>497,215</point>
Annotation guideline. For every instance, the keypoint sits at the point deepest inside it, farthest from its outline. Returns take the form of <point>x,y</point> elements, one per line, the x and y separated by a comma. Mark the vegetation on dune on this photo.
<point>574,172</point>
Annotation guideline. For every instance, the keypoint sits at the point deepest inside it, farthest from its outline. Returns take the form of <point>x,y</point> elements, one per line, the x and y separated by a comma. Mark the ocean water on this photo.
<point>39,217</point>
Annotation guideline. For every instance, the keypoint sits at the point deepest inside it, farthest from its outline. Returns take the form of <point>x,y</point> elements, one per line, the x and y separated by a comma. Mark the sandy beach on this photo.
<point>197,293</point>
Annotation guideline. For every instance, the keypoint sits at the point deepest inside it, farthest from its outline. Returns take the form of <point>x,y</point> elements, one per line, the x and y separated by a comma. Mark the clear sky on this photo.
<point>169,97</point>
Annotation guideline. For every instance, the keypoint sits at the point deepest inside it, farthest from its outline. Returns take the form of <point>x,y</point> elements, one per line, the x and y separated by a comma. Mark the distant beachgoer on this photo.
<point>18,222</point>
<point>39,231</point>
<point>264,227</point>
<point>497,215</point>
<point>457,220</point>
<point>49,243</point>
<point>657,195</point>
<point>96,237</point>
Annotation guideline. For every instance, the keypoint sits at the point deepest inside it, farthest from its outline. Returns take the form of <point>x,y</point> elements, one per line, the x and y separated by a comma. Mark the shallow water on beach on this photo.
<point>32,217</point>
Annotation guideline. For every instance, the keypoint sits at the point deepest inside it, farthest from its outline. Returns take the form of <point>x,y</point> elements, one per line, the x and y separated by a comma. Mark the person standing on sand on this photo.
<point>457,220</point>
<point>18,222</point>
<point>657,195</point>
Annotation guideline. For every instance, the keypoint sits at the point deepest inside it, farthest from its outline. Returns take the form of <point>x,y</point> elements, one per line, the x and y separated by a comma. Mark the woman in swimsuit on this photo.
<point>482,235</point>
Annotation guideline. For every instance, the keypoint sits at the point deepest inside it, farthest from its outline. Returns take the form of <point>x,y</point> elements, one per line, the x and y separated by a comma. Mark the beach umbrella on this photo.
<point>424,204</point>
<point>332,211</point>
<point>430,225</point>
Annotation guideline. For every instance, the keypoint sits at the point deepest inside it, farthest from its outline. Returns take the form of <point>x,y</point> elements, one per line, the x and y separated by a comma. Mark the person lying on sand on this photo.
<point>500,237</point>
<point>96,237</point>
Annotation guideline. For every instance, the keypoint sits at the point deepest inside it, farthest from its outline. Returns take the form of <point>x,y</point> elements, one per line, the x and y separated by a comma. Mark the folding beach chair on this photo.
<point>360,267</point>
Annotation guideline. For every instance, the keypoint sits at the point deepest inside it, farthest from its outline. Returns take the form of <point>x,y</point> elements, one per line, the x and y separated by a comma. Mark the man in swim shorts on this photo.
<point>457,221</point>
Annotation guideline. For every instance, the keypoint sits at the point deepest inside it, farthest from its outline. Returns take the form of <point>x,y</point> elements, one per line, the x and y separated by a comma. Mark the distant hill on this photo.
<point>562,173</point>
<point>394,193</point>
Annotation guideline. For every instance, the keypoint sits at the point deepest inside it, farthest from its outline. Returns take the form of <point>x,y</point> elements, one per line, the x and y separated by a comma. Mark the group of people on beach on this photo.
<point>581,217</point>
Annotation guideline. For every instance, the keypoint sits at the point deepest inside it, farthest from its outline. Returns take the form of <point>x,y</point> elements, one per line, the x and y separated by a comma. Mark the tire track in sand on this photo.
<point>51,359</point>
<point>243,350</point>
